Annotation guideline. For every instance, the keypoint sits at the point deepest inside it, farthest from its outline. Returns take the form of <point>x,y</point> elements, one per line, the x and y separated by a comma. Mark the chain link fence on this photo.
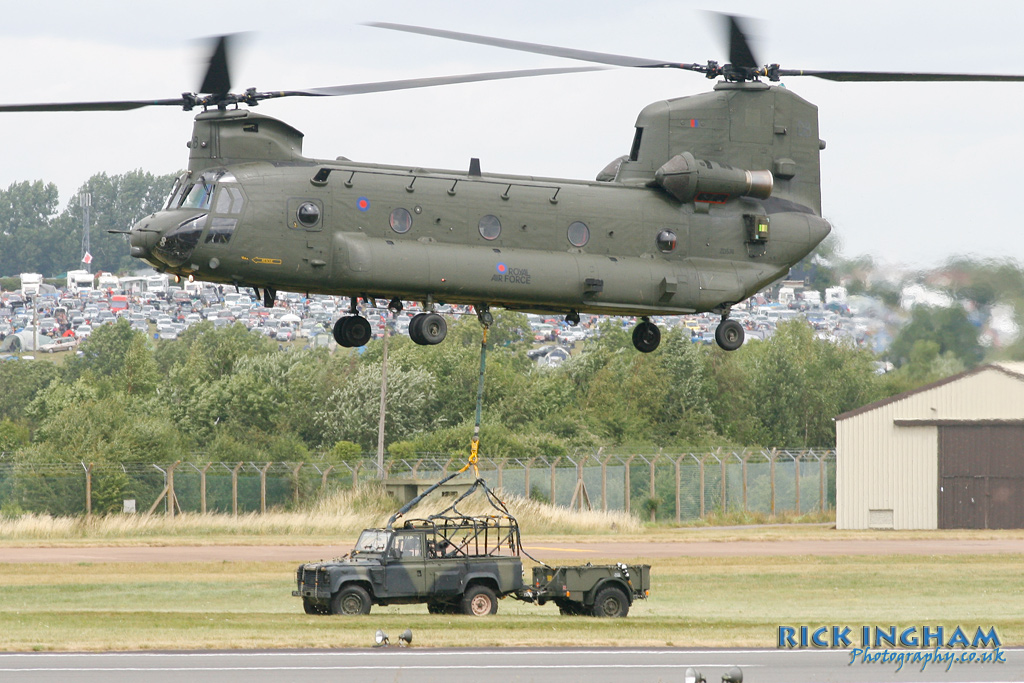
<point>657,486</point>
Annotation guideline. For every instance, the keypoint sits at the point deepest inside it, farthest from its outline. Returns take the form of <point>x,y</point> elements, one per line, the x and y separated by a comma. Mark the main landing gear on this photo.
<point>729,335</point>
<point>427,329</point>
<point>352,330</point>
<point>646,336</point>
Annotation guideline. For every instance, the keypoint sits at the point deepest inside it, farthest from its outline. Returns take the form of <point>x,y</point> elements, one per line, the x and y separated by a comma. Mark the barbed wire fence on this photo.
<point>657,486</point>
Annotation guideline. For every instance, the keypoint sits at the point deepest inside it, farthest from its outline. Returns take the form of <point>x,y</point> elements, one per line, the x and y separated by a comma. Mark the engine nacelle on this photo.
<point>697,180</point>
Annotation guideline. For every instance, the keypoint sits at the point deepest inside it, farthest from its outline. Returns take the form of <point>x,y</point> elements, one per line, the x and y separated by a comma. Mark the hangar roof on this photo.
<point>1012,369</point>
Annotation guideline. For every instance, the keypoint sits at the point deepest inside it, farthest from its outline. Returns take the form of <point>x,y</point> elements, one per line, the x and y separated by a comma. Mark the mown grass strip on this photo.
<point>694,602</point>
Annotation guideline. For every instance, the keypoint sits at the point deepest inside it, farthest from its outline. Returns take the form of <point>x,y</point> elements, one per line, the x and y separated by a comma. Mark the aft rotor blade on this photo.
<point>117,105</point>
<point>537,48</point>
<point>897,76</point>
<point>407,84</point>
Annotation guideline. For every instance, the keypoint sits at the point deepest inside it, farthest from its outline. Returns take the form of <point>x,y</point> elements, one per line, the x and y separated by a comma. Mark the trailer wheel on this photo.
<point>351,600</point>
<point>479,601</point>
<point>611,602</point>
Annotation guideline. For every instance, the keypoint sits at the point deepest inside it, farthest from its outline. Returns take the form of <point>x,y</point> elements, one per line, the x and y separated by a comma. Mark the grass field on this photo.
<point>694,602</point>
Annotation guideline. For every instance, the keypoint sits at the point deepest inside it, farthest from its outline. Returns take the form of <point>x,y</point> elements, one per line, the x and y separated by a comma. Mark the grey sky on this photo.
<point>913,173</point>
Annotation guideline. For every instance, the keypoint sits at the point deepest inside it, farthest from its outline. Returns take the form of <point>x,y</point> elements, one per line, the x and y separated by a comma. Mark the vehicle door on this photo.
<point>405,573</point>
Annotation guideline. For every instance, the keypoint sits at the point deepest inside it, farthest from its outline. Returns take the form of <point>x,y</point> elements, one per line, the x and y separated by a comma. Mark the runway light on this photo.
<point>405,640</point>
<point>692,676</point>
<point>733,675</point>
<point>381,638</point>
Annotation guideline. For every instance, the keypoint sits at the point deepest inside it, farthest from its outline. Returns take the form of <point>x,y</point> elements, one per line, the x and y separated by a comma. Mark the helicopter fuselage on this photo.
<point>661,232</point>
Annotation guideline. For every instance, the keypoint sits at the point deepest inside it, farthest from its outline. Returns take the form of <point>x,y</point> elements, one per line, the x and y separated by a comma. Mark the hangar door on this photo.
<point>981,476</point>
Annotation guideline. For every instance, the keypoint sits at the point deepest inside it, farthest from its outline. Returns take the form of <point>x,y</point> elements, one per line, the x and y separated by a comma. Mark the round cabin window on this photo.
<point>490,227</point>
<point>579,234</point>
<point>401,221</point>
<point>308,214</point>
<point>666,241</point>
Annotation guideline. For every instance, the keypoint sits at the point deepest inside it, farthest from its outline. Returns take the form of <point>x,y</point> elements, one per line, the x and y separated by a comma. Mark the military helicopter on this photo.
<point>718,196</point>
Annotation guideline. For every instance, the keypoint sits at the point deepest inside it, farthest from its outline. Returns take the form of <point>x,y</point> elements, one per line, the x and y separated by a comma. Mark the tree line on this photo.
<point>37,237</point>
<point>231,395</point>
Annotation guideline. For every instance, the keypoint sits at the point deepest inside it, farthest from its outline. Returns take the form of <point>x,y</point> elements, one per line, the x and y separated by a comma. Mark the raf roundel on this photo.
<point>363,204</point>
<point>502,268</point>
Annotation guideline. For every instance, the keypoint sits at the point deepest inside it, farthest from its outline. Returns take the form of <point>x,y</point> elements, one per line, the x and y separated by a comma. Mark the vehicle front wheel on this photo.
<point>351,600</point>
<point>479,601</point>
<point>611,602</point>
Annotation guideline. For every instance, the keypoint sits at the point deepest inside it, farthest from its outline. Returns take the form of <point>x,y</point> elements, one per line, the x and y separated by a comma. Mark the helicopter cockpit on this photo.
<point>219,198</point>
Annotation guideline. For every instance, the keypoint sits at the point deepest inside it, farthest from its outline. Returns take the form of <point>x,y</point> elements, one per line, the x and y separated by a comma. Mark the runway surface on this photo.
<point>472,666</point>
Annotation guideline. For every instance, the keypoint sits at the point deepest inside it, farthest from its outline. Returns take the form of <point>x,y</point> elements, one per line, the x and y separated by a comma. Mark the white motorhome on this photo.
<point>30,283</point>
<point>80,281</point>
<point>108,282</point>
<point>157,284</point>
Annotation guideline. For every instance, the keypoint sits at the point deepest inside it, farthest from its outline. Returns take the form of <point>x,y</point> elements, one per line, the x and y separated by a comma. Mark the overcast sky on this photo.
<point>913,173</point>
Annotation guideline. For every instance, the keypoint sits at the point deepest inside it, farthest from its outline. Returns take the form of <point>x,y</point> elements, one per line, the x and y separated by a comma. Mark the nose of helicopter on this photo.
<point>142,238</point>
<point>819,230</point>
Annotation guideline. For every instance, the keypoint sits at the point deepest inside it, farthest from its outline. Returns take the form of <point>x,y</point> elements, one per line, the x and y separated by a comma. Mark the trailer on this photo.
<point>599,590</point>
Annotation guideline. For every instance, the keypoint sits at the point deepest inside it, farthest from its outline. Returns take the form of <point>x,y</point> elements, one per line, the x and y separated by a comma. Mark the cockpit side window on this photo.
<point>199,195</point>
<point>177,192</point>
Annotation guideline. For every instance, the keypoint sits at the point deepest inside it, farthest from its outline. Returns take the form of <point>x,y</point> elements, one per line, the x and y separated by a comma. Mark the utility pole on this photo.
<point>85,199</point>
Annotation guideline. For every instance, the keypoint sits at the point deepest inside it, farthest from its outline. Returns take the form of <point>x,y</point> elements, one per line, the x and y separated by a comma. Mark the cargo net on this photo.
<point>456,534</point>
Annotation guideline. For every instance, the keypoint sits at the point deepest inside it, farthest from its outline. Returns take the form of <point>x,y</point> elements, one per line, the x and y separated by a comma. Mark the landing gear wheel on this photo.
<point>479,601</point>
<point>611,602</point>
<point>572,318</point>
<point>352,330</point>
<point>433,329</point>
<point>729,335</point>
<point>646,336</point>
<point>351,600</point>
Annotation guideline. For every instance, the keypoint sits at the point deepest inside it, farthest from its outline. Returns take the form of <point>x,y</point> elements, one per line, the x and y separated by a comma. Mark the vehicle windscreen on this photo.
<point>373,541</point>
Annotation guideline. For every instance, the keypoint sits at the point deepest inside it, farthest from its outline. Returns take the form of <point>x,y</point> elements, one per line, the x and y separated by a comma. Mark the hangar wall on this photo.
<point>887,452</point>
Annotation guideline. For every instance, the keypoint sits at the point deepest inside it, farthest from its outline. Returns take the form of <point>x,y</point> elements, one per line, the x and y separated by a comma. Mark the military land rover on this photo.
<point>455,565</point>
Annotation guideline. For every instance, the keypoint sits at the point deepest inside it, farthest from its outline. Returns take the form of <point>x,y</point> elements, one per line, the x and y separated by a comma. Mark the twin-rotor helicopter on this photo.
<point>718,197</point>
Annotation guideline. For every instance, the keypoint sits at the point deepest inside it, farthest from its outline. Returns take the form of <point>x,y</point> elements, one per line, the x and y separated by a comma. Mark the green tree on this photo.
<point>947,327</point>
<point>26,209</point>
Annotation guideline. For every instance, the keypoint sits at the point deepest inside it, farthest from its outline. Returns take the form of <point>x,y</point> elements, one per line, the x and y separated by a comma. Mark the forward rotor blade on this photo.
<point>408,84</point>
<point>740,53</point>
<point>217,80</point>
<point>537,48</point>
<point>897,76</point>
<point>120,105</point>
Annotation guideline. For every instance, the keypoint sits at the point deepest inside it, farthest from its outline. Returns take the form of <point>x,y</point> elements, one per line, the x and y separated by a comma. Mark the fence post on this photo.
<point>653,490</point>
<point>678,465</point>
<point>323,480</point>
<point>821,482</point>
<point>702,485</point>
<point>88,489</point>
<point>771,455</point>
<point>604,482</point>
<point>629,461</point>
<point>234,489</point>
<point>796,466</point>
<point>202,488</point>
<point>263,489</point>
<point>745,457</point>
<point>721,460</point>
<point>501,468</point>
<point>554,463</point>
<point>526,477</point>
<point>172,500</point>
<point>295,473</point>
